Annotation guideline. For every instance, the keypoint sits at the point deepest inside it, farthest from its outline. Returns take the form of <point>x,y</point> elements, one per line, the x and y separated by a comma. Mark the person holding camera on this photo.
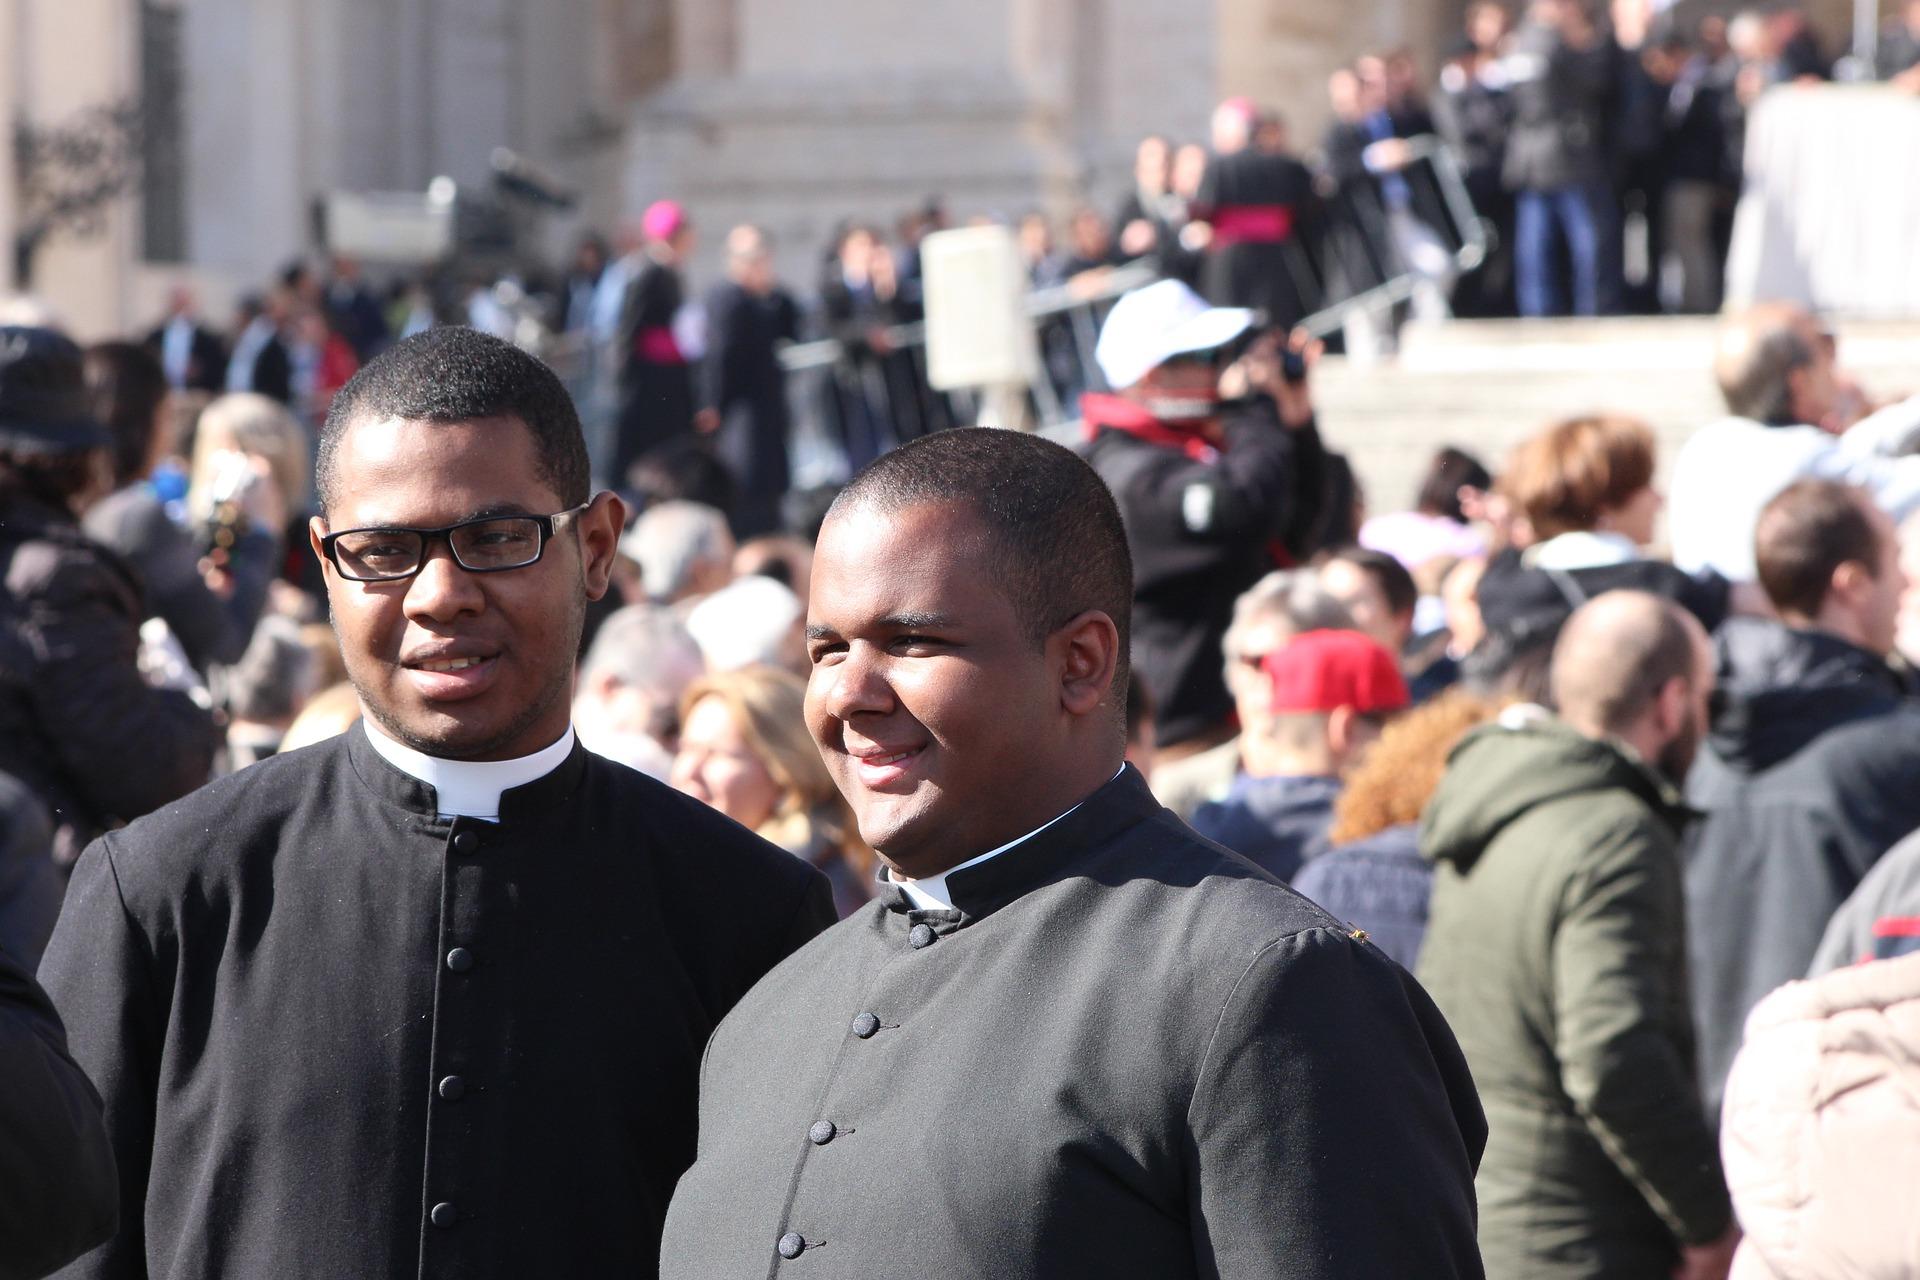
<point>1212,461</point>
<point>209,585</point>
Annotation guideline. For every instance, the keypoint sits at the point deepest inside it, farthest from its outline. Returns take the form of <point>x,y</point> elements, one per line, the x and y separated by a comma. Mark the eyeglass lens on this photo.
<point>506,543</point>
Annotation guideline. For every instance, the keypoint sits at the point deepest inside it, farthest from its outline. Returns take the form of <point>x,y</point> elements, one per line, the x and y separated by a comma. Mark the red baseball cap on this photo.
<point>1318,671</point>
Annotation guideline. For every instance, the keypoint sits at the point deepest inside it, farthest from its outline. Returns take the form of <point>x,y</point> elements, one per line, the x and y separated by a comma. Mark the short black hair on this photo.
<point>1058,545</point>
<point>456,374</point>
<point>682,470</point>
<point>1804,534</point>
<point>127,387</point>
<point>1450,471</point>
<point>1395,583</point>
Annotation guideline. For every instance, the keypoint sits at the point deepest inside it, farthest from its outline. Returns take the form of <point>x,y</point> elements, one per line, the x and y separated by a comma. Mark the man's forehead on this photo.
<point>372,436</point>
<point>390,469</point>
<point>875,559</point>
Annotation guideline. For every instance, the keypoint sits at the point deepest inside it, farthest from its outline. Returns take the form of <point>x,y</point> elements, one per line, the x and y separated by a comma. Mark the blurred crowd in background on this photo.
<point>1306,677</point>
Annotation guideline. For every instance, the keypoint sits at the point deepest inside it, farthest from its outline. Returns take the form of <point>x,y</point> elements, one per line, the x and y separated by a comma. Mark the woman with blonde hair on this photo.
<point>745,750</point>
<point>1374,875</point>
<point>240,435</point>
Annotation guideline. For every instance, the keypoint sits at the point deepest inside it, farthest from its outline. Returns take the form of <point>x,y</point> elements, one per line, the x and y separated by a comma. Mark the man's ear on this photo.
<point>1674,705</point>
<point>1088,652</point>
<point>599,527</point>
<point>1340,731</point>
<point>1851,580</point>
<point>316,530</point>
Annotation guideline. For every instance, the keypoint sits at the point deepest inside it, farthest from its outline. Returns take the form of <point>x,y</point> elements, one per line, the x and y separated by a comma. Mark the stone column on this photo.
<point>704,37</point>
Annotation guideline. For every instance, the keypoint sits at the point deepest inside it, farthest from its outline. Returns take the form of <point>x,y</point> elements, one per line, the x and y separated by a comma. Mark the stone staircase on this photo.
<point>1485,385</point>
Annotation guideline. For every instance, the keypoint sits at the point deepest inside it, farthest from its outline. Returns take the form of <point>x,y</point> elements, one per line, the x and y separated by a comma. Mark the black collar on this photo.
<point>398,787</point>
<point>1040,859</point>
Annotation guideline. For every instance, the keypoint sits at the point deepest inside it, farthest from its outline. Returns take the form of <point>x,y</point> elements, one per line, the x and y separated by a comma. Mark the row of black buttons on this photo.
<point>452,1088</point>
<point>821,1132</point>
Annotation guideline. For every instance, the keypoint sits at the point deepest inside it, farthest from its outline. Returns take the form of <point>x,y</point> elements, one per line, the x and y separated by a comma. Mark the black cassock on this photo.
<point>339,1036</point>
<point>653,378</point>
<point>1128,1053</point>
<point>741,380</point>
<point>1268,227</point>
<point>56,1166</point>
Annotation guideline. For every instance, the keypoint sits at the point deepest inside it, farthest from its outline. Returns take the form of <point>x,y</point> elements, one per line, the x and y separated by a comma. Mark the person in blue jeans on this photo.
<point>1581,218</point>
<point>1555,162</point>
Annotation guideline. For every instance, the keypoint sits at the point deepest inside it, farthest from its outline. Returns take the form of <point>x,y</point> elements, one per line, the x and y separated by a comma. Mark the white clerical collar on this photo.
<point>470,788</point>
<point>930,894</point>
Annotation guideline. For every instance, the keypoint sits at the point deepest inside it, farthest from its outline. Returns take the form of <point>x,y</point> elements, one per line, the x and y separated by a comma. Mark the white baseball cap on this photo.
<point>1150,326</point>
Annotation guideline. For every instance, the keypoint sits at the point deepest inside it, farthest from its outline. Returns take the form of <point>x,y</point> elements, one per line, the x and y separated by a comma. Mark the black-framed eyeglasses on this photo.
<point>489,544</point>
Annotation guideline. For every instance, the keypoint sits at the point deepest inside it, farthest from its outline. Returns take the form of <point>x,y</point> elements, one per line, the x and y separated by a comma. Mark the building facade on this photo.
<point>791,115</point>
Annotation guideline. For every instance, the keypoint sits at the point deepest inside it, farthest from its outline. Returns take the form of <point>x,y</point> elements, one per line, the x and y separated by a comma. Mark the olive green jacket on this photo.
<point>1556,949</point>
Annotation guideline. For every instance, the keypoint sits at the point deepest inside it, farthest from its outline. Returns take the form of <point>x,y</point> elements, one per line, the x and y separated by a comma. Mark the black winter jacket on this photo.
<point>78,725</point>
<point>1805,780</point>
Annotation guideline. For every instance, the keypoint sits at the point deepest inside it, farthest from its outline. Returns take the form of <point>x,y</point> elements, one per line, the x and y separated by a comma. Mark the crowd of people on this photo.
<point>472,815</point>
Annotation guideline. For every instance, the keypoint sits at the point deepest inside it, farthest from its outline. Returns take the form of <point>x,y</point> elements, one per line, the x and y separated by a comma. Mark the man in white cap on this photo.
<point>1205,493</point>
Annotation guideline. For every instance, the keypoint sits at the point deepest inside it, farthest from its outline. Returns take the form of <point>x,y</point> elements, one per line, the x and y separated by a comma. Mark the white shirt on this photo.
<point>1581,549</point>
<point>246,352</point>
<point>1729,470</point>
<point>469,788</point>
<point>176,351</point>
<point>930,894</point>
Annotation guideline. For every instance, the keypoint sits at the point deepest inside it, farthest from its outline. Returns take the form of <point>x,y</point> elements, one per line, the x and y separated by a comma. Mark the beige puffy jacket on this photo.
<point>1820,1134</point>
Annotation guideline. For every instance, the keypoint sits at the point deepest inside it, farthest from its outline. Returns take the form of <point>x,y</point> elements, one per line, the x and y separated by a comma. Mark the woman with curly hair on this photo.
<point>1374,875</point>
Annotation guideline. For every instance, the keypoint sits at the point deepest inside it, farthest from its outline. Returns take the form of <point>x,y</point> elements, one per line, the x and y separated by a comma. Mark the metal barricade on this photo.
<point>848,405</point>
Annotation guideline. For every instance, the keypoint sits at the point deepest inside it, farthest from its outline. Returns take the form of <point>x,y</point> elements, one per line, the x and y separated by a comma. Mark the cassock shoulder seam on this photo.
<point>1261,954</point>
<point>134,925</point>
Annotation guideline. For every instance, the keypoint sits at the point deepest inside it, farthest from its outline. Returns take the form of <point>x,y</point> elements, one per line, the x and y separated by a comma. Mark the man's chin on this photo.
<point>442,736</point>
<point>899,835</point>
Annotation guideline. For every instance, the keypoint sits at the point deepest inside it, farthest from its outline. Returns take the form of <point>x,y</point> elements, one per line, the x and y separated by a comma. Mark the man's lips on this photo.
<point>879,767</point>
<point>445,675</point>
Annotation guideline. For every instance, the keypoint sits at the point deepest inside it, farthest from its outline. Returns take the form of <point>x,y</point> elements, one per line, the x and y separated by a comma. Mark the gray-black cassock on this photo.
<point>1128,1052</point>
<point>338,1036</point>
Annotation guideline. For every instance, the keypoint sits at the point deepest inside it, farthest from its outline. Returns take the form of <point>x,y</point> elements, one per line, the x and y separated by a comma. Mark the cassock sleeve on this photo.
<point>1334,1129</point>
<point>719,382</point>
<point>815,914</point>
<point>56,1166</point>
<point>99,970</point>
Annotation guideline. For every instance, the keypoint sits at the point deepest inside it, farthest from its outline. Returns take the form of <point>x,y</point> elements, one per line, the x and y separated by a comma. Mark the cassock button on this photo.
<point>792,1245</point>
<point>443,1215</point>
<point>866,1025</point>
<point>459,959</point>
<point>453,1088</point>
<point>920,936</point>
<point>466,842</point>
<point>821,1133</point>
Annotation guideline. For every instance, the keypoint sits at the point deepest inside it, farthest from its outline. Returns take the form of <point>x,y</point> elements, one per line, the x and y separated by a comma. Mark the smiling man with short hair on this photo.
<point>426,1000</point>
<point>1073,1038</point>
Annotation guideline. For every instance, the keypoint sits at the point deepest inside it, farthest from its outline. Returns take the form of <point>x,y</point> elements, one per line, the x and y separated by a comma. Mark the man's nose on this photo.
<point>858,685</point>
<point>442,590</point>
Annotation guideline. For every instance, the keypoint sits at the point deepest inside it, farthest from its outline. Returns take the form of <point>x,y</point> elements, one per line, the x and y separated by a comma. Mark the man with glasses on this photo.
<point>427,999</point>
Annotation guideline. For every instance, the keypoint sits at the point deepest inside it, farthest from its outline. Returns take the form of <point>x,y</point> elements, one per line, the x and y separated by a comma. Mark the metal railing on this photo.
<point>1359,269</point>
